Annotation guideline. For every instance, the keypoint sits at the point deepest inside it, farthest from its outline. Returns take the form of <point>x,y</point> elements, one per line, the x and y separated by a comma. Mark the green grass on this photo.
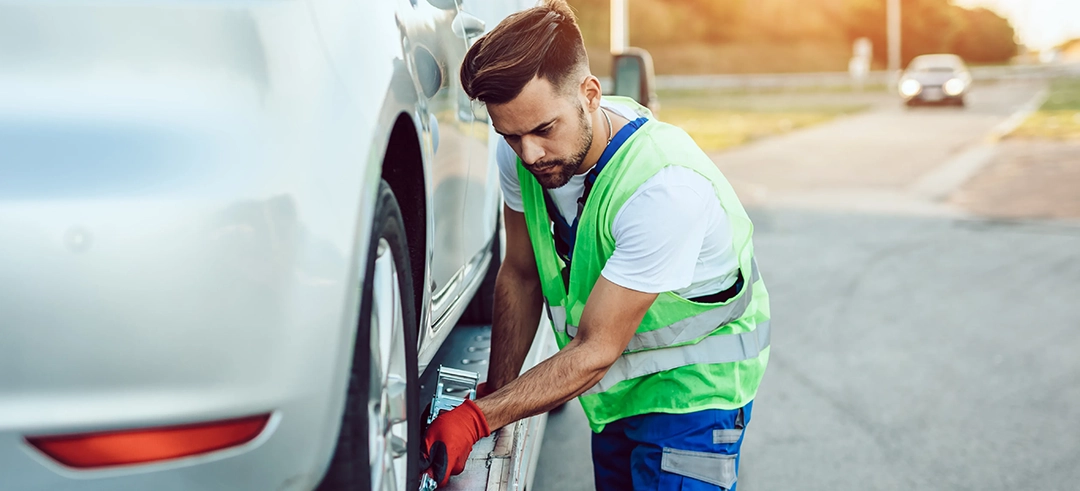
<point>1064,95</point>
<point>718,122</point>
<point>749,91</point>
<point>1059,116</point>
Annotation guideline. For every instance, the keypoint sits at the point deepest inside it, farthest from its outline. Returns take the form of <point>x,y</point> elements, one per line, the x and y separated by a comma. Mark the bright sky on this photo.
<point>1041,23</point>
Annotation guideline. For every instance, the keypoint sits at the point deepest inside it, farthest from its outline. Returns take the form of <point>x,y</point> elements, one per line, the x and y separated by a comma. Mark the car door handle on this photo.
<point>467,26</point>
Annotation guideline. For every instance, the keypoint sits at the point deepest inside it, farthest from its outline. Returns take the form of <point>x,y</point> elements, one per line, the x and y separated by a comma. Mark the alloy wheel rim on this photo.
<point>387,399</point>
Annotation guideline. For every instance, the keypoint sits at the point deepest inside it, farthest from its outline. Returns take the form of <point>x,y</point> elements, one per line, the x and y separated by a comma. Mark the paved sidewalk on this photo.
<point>871,162</point>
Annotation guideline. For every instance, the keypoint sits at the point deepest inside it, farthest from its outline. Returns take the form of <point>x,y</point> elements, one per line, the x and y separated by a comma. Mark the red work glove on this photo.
<point>449,440</point>
<point>481,391</point>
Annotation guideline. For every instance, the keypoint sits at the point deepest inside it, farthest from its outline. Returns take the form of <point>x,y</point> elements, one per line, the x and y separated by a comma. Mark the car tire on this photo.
<point>480,310</point>
<point>387,263</point>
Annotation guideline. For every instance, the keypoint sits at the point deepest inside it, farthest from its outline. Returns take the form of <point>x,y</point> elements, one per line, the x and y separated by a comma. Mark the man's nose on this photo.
<point>531,150</point>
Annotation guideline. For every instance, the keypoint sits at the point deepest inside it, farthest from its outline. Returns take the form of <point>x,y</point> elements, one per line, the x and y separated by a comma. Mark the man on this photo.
<point>641,252</point>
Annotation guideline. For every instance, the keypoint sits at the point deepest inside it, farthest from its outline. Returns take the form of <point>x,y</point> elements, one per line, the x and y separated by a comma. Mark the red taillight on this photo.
<point>110,448</point>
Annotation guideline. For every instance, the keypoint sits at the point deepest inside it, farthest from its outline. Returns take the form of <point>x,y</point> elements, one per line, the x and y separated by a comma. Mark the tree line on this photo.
<point>978,35</point>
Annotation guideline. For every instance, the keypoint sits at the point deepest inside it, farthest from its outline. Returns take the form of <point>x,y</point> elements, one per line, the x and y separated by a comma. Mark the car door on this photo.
<point>482,199</point>
<point>437,52</point>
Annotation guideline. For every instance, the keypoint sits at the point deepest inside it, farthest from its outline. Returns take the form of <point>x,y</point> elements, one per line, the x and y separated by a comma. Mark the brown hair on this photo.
<point>540,42</point>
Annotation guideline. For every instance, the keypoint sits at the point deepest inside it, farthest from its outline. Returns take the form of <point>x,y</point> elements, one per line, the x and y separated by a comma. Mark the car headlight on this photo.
<point>954,87</point>
<point>910,87</point>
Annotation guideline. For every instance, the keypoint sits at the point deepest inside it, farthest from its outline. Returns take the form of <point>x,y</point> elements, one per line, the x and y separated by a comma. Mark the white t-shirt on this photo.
<point>671,235</point>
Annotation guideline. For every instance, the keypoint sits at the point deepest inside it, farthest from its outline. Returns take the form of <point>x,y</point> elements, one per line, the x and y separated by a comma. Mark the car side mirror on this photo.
<point>632,76</point>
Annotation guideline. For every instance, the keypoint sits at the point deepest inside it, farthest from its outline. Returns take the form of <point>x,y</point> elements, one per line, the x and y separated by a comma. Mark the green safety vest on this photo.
<point>685,356</point>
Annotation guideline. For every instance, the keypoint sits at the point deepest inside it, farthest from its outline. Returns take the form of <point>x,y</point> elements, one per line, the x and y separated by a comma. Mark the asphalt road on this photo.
<point>913,347</point>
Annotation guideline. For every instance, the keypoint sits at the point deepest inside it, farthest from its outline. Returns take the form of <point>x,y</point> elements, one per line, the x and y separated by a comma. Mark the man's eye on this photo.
<point>512,139</point>
<point>544,131</point>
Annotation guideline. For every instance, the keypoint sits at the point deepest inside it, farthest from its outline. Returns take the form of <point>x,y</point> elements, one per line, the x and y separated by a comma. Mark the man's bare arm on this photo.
<point>611,317</point>
<point>518,304</point>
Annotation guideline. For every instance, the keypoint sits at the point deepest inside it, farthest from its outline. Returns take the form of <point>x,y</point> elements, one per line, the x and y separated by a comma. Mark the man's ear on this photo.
<point>590,90</point>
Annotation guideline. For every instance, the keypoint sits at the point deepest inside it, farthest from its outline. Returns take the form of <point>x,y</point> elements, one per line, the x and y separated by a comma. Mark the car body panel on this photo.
<point>186,192</point>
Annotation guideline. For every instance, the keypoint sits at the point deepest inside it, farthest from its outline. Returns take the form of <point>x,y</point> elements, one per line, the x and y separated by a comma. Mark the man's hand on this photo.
<point>450,439</point>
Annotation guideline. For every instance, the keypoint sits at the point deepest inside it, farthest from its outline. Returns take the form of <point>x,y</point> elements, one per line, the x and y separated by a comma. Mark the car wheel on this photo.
<point>378,447</point>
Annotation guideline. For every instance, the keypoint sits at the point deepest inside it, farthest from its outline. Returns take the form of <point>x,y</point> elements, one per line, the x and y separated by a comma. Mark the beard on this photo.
<point>555,173</point>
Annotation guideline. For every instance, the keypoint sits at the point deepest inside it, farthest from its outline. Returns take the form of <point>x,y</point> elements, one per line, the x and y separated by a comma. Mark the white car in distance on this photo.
<point>935,79</point>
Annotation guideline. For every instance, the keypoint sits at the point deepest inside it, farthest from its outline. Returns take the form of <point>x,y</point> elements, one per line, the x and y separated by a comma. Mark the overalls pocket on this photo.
<point>696,471</point>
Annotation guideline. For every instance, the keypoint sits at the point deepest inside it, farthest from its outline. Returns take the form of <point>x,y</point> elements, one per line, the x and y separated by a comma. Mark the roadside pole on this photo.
<point>893,28</point>
<point>620,26</point>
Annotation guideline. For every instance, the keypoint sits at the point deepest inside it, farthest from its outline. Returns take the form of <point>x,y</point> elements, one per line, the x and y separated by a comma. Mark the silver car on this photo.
<point>233,235</point>
<point>935,79</point>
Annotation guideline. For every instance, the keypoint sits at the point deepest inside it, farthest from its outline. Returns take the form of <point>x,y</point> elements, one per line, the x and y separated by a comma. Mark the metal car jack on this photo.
<point>452,388</point>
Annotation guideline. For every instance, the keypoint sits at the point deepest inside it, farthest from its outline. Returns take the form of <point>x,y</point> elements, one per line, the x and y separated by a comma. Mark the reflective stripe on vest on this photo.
<point>711,350</point>
<point>557,315</point>
<point>683,331</point>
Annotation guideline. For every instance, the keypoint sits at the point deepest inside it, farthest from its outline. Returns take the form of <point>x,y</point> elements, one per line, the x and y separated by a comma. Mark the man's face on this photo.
<point>547,128</point>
